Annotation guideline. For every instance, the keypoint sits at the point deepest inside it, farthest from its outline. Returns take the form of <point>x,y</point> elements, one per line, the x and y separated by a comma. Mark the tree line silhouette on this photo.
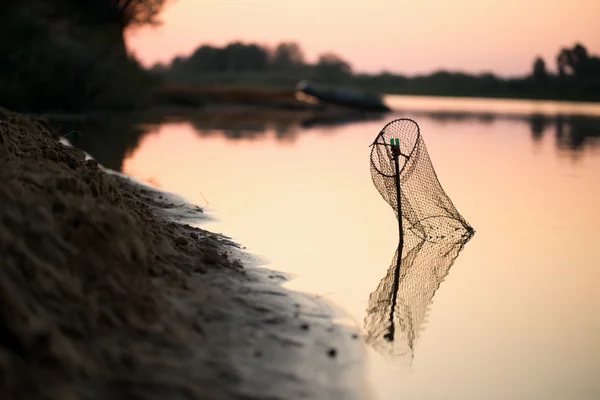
<point>577,77</point>
<point>239,57</point>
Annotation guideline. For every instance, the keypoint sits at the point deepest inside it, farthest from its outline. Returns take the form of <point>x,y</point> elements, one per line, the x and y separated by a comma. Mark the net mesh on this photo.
<point>396,316</point>
<point>426,209</point>
<point>432,234</point>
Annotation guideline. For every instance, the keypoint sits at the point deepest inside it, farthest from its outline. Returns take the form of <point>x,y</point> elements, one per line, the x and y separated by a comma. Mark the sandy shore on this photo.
<point>103,295</point>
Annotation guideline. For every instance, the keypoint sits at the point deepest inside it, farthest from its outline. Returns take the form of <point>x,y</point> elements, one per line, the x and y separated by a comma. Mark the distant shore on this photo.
<point>275,97</point>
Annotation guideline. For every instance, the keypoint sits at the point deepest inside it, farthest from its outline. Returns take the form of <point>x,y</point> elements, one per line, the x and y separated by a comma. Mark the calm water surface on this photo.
<point>517,316</point>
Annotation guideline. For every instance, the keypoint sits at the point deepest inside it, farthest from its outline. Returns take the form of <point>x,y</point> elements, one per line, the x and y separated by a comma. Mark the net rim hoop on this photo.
<point>380,144</point>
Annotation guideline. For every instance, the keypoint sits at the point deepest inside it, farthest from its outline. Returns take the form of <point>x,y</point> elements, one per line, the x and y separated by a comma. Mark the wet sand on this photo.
<point>103,295</point>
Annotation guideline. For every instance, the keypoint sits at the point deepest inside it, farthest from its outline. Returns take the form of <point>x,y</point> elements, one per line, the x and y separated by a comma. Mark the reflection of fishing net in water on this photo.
<point>432,233</point>
<point>395,316</point>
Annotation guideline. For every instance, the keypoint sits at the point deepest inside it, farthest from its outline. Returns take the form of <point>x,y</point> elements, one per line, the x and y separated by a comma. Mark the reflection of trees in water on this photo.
<point>392,329</point>
<point>324,121</point>
<point>538,123</point>
<point>286,128</point>
<point>236,132</point>
<point>443,117</point>
<point>234,129</point>
<point>109,138</point>
<point>457,116</point>
<point>573,132</point>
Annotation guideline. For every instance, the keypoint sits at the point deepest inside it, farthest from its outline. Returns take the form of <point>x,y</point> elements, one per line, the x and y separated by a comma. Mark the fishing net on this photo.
<point>427,211</point>
<point>432,234</point>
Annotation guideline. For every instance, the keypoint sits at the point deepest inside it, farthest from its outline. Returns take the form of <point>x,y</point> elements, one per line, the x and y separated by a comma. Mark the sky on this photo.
<point>410,37</point>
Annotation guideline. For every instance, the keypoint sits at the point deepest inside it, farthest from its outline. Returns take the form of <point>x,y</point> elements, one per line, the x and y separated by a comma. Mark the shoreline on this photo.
<point>103,295</point>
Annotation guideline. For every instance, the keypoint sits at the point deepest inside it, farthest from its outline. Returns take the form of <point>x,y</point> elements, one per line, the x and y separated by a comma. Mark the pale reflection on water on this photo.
<point>396,313</point>
<point>518,316</point>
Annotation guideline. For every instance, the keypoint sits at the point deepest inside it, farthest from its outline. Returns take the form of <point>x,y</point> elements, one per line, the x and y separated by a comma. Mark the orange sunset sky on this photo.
<point>403,36</point>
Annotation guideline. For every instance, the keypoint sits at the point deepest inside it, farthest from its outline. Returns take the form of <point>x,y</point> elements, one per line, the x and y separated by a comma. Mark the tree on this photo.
<point>562,62</point>
<point>124,13</point>
<point>332,65</point>
<point>159,69</point>
<point>577,62</point>
<point>205,59</point>
<point>539,69</point>
<point>240,57</point>
<point>178,66</point>
<point>288,56</point>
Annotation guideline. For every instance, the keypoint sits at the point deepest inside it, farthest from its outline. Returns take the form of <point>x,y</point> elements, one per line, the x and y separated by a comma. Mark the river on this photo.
<point>517,316</point>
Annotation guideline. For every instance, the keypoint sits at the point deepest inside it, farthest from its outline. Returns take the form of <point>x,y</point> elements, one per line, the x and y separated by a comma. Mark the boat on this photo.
<point>346,98</point>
